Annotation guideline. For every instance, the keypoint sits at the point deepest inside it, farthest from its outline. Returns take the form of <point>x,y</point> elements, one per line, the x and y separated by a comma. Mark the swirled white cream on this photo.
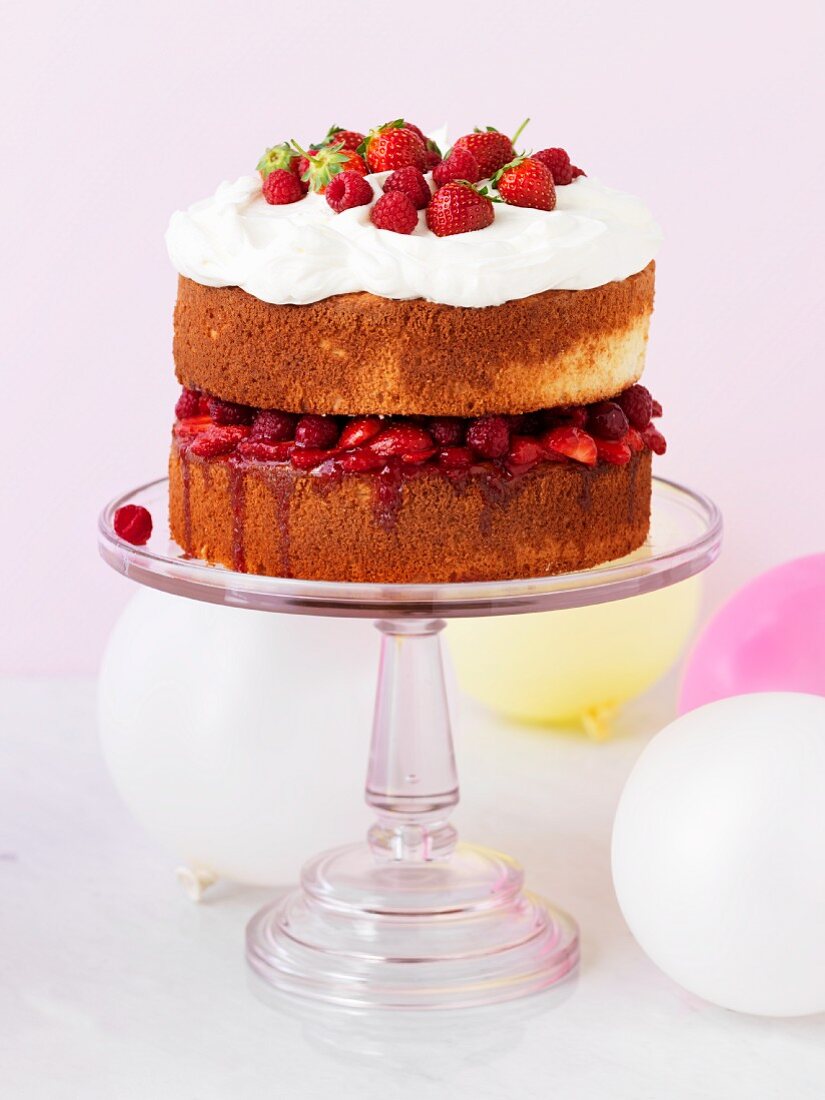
<point>303,252</point>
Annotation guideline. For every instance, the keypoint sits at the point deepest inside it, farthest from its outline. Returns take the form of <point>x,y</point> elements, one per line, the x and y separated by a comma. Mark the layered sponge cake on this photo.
<point>399,367</point>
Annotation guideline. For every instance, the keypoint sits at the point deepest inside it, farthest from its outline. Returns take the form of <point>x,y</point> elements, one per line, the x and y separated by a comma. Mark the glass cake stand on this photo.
<point>410,918</point>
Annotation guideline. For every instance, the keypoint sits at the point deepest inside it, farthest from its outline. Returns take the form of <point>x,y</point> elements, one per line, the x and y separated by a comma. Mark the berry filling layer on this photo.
<point>606,432</point>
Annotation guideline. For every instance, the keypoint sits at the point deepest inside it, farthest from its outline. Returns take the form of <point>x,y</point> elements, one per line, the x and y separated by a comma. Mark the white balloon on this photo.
<point>239,738</point>
<point>719,853</point>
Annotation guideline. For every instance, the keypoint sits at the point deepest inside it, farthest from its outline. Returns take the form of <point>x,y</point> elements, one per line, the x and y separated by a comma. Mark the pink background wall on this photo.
<point>117,113</point>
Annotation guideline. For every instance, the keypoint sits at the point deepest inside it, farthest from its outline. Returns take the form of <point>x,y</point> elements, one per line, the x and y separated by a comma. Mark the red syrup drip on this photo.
<point>186,479</point>
<point>237,500</point>
<point>281,482</point>
<point>631,493</point>
<point>388,495</point>
<point>493,489</point>
<point>585,483</point>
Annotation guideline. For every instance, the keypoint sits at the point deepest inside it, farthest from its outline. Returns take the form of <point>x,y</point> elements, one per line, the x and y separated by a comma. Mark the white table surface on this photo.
<point>115,986</point>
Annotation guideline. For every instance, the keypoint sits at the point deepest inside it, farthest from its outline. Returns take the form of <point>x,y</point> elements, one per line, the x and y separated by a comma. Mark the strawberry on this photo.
<point>459,208</point>
<point>361,461</point>
<point>307,458</point>
<point>281,156</point>
<point>281,187</point>
<point>491,149</point>
<point>133,523</point>
<point>262,451</point>
<point>319,166</point>
<point>219,440</point>
<point>411,182</point>
<point>359,431</point>
<point>572,443</point>
<point>524,451</point>
<point>455,458</point>
<point>526,182</point>
<point>192,426</point>
<point>402,439</point>
<point>393,146</point>
<point>633,439</point>
<point>394,211</point>
<point>459,165</point>
<point>347,139</point>
<point>614,451</point>
<point>418,458</point>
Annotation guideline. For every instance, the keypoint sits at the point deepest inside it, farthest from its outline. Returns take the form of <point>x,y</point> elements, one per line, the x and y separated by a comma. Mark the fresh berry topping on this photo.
<point>347,139</point>
<point>489,436</point>
<point>262,451</point>
<point>361,461</point>
<point>192,426</point>
<point>576,172</point>
<point>227,412</point>
<point>220,440</point>
<point>410,182</point>
<point>524,451</point>
<point>638,406</point>
<point>455,458</point>
<point>133,523</point>
<point>307,458</point>
<point>657,408</point>
<point>447,431</point>
<point>606,420</point>
<point>526,182</point>
<point>359,431</point>
<point>273,427</point>
<point>432,158</point>
<point>319,166</point>
<point>280,157</point>
<point>418,132</point>
<point>316,432</point>
<point>557,163</point>
<point>491,149</point>
<point>393,146</point>
<point>188,404</point>
<point>395,212</point>
<point>459,208</point>
<point>572,443</point>
<point>282,187</point>
<point>459,165</point>
<point>634,441</point>
<point>654,439</point>
<point>348,189</point>
<point>613,451</point>
<point>402,439</point>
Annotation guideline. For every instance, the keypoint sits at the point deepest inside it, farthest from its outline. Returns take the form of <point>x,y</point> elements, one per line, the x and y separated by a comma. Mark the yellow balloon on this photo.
<point>577,665</point>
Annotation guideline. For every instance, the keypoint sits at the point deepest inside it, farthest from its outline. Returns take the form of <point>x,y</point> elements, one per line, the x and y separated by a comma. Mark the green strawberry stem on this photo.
<point>517,134</point>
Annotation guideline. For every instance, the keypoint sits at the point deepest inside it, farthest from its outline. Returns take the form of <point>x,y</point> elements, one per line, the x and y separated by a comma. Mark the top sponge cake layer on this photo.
<point>358,353</point>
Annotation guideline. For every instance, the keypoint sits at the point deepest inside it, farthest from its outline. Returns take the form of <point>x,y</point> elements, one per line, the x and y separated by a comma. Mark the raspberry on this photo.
<point>359,431</point>
<point>654,439</point>
<point>459,165</point>
<point>402,439</point>
<point>576,172</point>
<point>614,451</point>
<point>638,406</point>
<point>489,436</point>
<point>218,441</point>
<point>227,412</point>
<point>262,451</point>
<point>410,182</point>
<point>606,420</point>
<point>558,163</point>
<point>188,404</point>
<point>347,190</point>
<point>273,427</point>
<point>316,433</point>
<point>394,211</point>
<point>657,408</point>
<point>432,158</point>
<point>133,523</point>
<point>281,187</point>
<point>447,431</point>
<point>455,458</point>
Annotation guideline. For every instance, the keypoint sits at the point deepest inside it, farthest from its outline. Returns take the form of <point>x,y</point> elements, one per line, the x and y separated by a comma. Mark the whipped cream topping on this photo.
<point>304,252</point>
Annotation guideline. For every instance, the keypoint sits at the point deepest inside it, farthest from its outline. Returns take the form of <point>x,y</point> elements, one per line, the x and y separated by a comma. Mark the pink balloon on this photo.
<point>770,636</point>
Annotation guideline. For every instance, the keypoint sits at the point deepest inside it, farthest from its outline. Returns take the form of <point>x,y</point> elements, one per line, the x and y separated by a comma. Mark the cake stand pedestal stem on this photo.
<point>411,780</point>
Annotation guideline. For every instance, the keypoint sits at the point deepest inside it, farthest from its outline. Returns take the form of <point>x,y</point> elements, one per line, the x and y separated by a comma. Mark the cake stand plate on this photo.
<point>411,918</point>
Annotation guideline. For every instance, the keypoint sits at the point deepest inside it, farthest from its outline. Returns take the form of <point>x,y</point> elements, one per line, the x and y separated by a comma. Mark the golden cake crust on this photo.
<point>271,519</point>
<point>355,354</point>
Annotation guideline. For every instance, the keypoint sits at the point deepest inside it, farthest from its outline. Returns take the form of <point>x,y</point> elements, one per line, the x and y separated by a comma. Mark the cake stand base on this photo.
<point>447,933</point>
